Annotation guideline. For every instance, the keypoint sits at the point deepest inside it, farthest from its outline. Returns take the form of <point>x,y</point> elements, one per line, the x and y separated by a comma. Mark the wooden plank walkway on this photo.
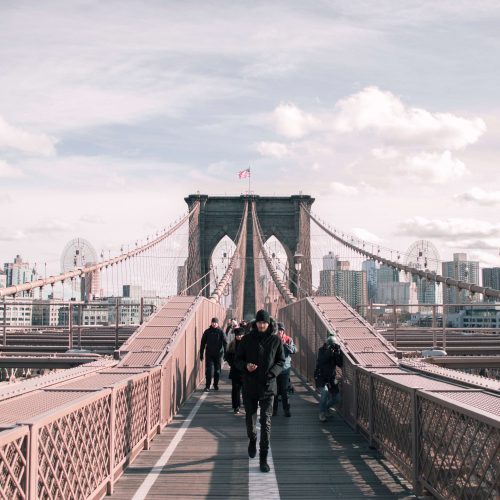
<point>311,459</point>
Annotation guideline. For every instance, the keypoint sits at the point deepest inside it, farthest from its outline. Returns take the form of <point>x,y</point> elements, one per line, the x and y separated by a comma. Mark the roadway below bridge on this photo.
<point>100,340</point>
<point>202,453</point>
<point>459,343</point>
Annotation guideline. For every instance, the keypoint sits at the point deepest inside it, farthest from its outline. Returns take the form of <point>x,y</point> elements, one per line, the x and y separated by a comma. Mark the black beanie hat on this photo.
<point>239,331</point>
<point>262,315</point>
<point>215,320</point>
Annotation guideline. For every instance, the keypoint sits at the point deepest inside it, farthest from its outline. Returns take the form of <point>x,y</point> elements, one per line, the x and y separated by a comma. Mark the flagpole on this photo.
<point>249,180</point>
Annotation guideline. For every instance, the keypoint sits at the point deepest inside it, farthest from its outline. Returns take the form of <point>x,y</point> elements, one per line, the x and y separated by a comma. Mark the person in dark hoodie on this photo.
<point>235,375</point>
<point>260,357</point>
<point>214,345</point>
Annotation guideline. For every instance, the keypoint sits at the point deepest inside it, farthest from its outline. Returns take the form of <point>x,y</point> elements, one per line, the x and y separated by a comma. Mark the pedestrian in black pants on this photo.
<point>260,357</point>
<point>283,379</point>
<point>235,375</point>
<point>213,344</point>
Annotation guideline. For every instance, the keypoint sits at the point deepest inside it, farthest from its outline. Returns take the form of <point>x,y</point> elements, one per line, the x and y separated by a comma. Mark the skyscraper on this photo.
<point>370,268</point>
<point>387,274</point>
<point>19,272</point>
<point>330,261</point>
<point>352,286</point>
<point>491,279</point>
<point>460,269</point>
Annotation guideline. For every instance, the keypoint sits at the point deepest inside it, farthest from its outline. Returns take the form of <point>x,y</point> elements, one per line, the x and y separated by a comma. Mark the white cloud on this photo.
<point>15,138</point>
<point>91,219</point>
<point>48,227</point>
<point>480,197</point>
<point>344,189</point>
<point>293,123</point>
<point>452,228</point>
<point>365,235</point>
<point>9,234</point>
<point>385,153</point>
<point>433,168</point>
<point>387,116</point>
<point>273,149</point>
<point>8,171</point>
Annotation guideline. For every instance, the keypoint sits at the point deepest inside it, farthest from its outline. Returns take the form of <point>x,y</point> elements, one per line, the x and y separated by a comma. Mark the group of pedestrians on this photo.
<point>260,358</point>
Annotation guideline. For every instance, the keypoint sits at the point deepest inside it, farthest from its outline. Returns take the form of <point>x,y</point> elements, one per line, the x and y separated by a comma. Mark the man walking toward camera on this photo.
<point>214,345</point>
<point>261,358</point>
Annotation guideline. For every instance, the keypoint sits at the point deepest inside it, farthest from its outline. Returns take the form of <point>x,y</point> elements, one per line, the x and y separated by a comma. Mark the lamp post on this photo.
<point>297,259</point>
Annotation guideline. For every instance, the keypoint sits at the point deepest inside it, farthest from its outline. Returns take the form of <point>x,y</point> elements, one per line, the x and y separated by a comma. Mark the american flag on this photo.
<point>243,174</point>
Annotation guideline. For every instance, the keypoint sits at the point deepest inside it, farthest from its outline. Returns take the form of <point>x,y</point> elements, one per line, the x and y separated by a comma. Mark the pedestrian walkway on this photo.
<point>310,459</point>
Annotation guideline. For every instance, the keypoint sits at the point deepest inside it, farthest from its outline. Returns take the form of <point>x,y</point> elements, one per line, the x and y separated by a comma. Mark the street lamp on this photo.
<point>297,259</point>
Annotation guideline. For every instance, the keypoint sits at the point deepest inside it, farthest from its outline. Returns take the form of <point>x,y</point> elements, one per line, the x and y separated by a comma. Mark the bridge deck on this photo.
<point>311,459</point>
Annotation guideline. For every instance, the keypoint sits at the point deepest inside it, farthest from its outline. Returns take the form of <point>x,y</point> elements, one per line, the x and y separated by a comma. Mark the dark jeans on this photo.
<point>236,393</point>
<point>282,380</point>
<point>266,410</point>
<point>215,361</point>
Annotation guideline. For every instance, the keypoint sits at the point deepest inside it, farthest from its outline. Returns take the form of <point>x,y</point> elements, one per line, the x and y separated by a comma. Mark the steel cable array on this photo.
<point>461,285</point>
<point>237,263</point>
<point>257,234</point>
<point>110,262</point>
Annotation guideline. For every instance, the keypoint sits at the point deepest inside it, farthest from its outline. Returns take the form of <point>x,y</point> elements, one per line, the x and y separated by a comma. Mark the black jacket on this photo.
<point>214,341</point>
<point>328,359</point>
<point>266,351</point>
<point>234,373</point>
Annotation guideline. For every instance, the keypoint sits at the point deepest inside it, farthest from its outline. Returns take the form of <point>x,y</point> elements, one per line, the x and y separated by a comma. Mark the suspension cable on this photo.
<point>14,289</point>
<point>461,285</point>
<point>217,294</point>
<point>282,287</point>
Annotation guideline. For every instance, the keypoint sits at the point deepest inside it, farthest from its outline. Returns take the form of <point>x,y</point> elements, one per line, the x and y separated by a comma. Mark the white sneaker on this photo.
<point>331,412</point>
<point>322,416</point>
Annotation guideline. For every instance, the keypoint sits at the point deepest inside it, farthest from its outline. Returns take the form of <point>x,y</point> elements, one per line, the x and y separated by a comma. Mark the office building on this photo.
<point>459,269</point>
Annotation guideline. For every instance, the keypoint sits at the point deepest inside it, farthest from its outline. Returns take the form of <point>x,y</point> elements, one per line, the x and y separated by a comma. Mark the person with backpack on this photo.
<point>329,357</point>
<point>283,379</point>
<point>213,345</point>
<point>235,375</point>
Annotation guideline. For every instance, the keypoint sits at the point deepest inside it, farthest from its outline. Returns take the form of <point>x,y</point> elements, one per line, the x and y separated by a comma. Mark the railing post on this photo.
<point>70,326</point>
<point>444,327</point>
<point>117,322</point>
<point>4,321</point>
<point>415,444</point>
<point>111,442</point>
<point>434,339</point>
<point>32,479</point>
<point>395,321</point>
<point>148,414</point>
<point>79,326</point>
<point>371,400</point>
<point>371,312</point>
<point>141,312</point>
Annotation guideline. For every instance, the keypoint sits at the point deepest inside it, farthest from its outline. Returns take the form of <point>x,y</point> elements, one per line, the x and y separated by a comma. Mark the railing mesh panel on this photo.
<point>363,399</point>
<point>392,429</point>
<point>459,455</point>
<point>13,452</point>
<point>73,452</point>
<point>130,417</point>
<point>155,401</point>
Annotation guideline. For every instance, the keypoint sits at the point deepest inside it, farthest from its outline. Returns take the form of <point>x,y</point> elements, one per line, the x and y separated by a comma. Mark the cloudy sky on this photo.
<point>386,112</point>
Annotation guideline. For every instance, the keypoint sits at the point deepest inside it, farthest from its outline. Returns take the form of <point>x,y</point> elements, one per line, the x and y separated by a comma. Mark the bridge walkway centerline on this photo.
<point>311,459</point>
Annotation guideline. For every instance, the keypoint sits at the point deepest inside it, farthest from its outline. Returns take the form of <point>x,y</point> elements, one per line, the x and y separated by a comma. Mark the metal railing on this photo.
<point>79,449</point>
<point>442,436</point>
<point>75,317</point>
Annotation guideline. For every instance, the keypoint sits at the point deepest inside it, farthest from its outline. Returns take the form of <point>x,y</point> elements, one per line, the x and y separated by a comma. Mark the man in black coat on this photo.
<point>214,344</point>
<point>260,357</point>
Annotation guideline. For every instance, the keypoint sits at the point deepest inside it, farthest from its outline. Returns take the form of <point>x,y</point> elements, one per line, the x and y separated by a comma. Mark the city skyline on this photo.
<point>394,148</point>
